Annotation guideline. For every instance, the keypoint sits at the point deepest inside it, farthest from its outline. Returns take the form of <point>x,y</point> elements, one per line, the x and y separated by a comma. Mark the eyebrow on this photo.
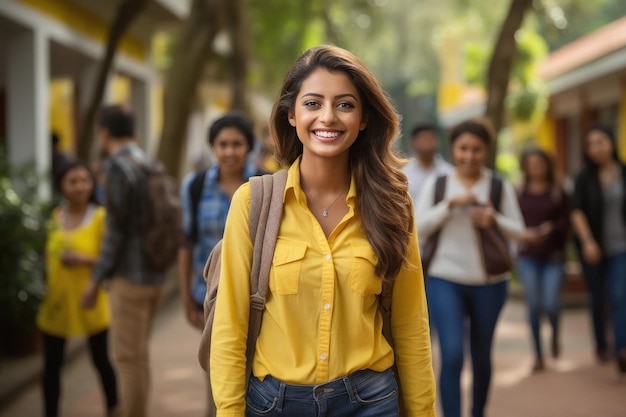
<point>337,96</point>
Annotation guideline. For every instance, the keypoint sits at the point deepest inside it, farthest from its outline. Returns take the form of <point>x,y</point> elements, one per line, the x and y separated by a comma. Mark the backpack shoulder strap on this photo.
<point>495,193</point>
<point>440,188</point>
<point>266,209</point>
<point>195,193</point>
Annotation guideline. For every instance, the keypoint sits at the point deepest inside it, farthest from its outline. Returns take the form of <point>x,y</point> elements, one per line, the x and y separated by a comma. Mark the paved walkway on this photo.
<point>573,386</point>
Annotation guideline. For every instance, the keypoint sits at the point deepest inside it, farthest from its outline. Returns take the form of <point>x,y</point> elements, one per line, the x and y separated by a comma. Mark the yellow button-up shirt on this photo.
<point>321,320</point>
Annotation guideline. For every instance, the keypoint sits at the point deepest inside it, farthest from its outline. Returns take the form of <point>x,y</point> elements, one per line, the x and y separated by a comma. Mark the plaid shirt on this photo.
<point>122,254</point>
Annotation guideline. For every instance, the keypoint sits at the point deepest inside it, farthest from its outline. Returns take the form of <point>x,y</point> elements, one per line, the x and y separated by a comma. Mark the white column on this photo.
<point>27,103</point>
<point>141,104</point>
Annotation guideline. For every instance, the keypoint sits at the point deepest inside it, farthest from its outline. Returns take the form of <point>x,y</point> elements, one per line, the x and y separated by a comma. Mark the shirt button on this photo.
<point>326,306</point>
<point>323,357</point>
<point>328,257</point>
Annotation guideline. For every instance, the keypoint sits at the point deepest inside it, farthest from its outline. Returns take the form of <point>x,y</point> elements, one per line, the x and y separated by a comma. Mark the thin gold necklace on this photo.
<point>325,209</point>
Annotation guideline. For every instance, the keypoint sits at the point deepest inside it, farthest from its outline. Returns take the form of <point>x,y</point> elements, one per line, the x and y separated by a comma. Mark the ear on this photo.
<point>292,118</point>
<point>363,124</point>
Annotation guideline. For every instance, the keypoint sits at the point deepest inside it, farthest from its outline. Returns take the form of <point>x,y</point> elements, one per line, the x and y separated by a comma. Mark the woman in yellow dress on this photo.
<point>75,235</point>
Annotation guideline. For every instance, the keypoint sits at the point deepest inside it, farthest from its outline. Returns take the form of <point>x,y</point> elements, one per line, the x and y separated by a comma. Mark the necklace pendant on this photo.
<point>325,213</point>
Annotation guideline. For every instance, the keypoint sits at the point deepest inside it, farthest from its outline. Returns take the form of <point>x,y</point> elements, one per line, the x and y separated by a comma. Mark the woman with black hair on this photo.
<point>599,221</point>
<point>541,253</point>
<point>72,249</point>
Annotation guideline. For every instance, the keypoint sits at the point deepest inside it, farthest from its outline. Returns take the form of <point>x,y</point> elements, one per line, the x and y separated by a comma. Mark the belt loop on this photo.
<point>281,396</point>
<point>349,389</point>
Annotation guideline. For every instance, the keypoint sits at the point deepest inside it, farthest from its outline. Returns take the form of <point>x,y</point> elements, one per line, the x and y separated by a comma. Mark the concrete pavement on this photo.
<point>573,386</point>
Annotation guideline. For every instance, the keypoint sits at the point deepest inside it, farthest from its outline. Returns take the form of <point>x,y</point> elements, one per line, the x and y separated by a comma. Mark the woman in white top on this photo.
<point>458,288</point>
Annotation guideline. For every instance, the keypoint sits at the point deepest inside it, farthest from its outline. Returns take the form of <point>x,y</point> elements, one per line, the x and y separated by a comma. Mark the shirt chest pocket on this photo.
<point>363,279</point>
<point>286,265</point>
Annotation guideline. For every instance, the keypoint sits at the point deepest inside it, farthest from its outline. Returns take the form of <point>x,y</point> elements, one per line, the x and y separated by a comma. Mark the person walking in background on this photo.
<point>599,221</point>
<point>541,252</point>
<point>135,284</point>
<point>205,198</point>
<point>427,160</point>
<point>458,288</point>
<point>75,235</point>
<point>347,226</point>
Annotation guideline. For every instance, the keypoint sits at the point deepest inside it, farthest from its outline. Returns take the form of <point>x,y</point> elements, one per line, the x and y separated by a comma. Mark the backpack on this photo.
<point>266,208</point>
<point>161,219</point>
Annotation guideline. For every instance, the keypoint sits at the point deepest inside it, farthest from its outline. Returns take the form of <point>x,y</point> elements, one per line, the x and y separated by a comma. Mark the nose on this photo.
<point>328,115</point>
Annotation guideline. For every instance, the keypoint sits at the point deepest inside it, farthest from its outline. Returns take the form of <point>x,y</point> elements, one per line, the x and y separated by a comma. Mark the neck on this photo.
<point>607,165</point>
<point>537,184</point>
<point>115,144</point>
<point>426,162</point>
<point>76,207</point>
<point>230,176</point>
<point>322,175</point>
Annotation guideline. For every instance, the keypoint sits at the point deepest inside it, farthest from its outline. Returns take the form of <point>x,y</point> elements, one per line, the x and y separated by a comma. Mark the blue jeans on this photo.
<point>616,283</point>
<point>542,281</point>
<point>595,279</point>
<point>364,394</point>
<point>449,305</point>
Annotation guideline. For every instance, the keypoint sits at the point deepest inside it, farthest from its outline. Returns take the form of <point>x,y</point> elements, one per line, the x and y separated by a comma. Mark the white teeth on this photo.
<point>325,134</point>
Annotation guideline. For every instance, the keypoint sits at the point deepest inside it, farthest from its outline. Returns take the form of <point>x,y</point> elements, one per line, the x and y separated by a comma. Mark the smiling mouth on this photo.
<point>326,135</point>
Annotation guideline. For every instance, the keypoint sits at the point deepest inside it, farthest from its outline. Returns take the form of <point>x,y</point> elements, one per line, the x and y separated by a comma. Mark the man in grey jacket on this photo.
<point>135,285</point>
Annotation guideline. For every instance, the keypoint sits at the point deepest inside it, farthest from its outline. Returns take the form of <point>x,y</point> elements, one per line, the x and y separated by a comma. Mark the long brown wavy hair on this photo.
<point>383,201</point>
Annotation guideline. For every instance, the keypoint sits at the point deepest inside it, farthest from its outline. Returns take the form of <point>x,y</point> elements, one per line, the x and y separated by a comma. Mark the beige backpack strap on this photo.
<point>266,209</point>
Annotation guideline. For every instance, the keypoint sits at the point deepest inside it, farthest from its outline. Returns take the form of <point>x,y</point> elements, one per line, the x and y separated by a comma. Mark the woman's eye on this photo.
<point>311,103</point>
<point>346,105</point>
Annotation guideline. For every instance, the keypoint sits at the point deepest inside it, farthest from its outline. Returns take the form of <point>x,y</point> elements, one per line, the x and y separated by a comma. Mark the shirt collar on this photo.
<point>293,185</point>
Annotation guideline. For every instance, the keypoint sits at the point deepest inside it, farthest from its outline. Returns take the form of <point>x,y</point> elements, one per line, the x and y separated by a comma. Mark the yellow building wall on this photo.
<point>88,24</point>
<point>546,134</point>
<point>61,112</point>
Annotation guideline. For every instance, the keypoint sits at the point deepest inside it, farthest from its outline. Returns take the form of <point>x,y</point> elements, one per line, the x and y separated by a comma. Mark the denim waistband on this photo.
<point>340,386</point>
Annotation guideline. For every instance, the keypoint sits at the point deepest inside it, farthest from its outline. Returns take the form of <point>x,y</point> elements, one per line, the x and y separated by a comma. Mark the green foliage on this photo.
<point>22,227</point>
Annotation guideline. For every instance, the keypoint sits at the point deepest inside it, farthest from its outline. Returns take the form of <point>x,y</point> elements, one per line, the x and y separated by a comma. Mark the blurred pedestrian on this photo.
<point>205,198</point>
<point>72,248</point>
<point>599,221</point>
<point>135,284</point>
<point>458,288</point>
<point>59,157</point>
<point>347,226</point>
<point>541,253</point>
<point>427,161</point>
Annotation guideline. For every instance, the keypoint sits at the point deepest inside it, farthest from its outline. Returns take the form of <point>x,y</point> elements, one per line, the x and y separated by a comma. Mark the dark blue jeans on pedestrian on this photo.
<point>606,283</point>
<point>449,306</point>
<point>542,281</point>
<point>364,393</point>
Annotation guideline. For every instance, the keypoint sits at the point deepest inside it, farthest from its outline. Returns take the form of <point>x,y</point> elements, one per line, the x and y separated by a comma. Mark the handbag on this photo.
<point>495,251</point>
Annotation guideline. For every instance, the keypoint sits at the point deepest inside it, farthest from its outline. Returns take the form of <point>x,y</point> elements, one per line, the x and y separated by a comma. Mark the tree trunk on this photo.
<point>193,48</point>
<point>125,14</point>
<point>240,38</point>
<point>501,64</point>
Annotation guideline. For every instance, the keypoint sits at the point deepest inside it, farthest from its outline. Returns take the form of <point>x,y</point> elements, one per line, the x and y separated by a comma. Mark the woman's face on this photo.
<point>77,185</point>
<point>327,114</point>
<point>535,167</point>
<point>599,147</point>
<point>469,153</point>
<point>231,149</point>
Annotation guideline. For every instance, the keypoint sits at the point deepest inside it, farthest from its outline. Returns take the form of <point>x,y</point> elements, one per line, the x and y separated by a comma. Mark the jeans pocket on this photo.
<point>380,388</point>
<point>259,401</point>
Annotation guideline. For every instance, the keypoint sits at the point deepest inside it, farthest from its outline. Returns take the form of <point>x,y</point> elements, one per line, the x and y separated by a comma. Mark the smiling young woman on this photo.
<point>347,227</point>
